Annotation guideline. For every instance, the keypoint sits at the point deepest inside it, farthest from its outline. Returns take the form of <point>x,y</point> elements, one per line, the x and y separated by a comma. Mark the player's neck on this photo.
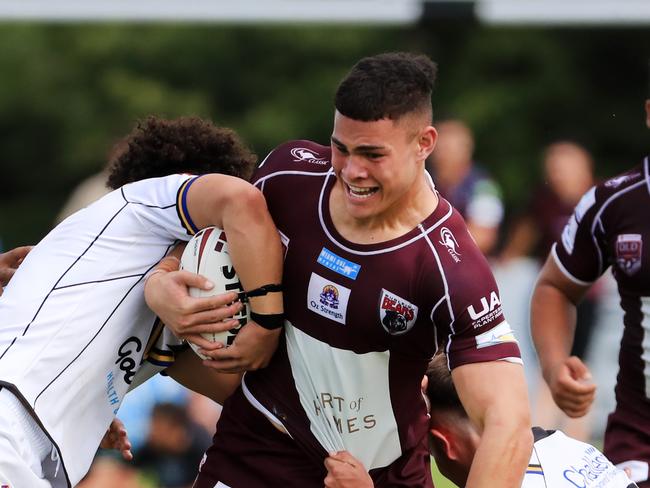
<point>394,222</point>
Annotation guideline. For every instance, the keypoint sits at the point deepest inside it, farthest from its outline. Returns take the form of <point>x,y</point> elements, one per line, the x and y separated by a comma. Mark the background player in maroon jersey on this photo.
<point>608,228</point>
<point>379,272</point>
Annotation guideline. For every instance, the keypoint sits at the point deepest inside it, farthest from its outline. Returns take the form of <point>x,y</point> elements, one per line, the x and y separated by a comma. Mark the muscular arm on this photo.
<point>495,398</point>
<point>255,249</point>
<point>553,319</point>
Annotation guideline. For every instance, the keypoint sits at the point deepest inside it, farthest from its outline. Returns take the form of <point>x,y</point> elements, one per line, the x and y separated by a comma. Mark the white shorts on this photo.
<point>28,458</point>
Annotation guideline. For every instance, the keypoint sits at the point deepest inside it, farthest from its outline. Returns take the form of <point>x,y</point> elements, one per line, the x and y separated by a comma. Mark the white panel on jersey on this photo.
<point>328,298</point>
<point>645,344</point>
<point>570,463</point>
<point>346,397</point>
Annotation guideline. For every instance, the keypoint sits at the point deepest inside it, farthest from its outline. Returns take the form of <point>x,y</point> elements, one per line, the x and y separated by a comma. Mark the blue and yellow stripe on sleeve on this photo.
<point>535,469</point>
<point>181,207</point>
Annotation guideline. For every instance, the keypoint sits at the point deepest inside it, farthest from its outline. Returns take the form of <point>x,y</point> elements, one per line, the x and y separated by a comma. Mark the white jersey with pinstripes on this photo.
<point>74,326</point>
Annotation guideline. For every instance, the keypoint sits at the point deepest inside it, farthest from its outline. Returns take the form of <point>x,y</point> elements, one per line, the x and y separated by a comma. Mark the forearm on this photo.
<point>502,456</point>
<point>189,371</point>
<point>553,318</point>
<point>255,248</point>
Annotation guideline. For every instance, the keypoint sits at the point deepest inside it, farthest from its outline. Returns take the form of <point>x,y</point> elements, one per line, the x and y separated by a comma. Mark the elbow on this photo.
<point>245,203</point>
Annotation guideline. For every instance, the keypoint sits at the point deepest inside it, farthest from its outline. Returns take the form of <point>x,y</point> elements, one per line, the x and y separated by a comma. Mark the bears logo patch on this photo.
<point>397,314</point>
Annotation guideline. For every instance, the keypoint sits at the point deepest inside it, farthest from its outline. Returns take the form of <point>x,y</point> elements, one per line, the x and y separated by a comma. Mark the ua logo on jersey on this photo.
<point>129,347</point>
<point>485,308</point>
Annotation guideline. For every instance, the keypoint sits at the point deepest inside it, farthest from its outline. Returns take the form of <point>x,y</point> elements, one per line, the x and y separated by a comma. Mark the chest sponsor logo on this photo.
<point>629,248</point>
<point>488,310</point>
<point>327,298</point>
<point>448,240</point>
<point>338,264</point>
<point>501,334</point>
<point>126,357</point>
<point>307,155</point>
<point>592,469</point>
<point>397,315</point>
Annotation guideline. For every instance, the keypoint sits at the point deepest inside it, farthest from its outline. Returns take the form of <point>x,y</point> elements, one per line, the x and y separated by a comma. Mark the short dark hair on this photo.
<point>160,147</point>
<point>387,85</point>
<point>440,389</point>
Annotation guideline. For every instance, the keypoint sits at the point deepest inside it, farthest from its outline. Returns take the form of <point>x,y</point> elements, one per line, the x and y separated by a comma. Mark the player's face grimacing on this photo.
<point>378,165</point>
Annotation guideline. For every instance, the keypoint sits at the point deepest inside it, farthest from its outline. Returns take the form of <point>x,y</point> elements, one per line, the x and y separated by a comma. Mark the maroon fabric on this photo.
<point>421,268</point>
<point>615,231</point>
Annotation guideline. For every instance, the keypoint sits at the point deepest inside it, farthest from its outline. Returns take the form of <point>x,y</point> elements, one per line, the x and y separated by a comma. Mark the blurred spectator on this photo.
<point>464,184</point>
<point>174,447</point>
<point>568,174</point>
<point>89,190</point>
<point>110,472</point>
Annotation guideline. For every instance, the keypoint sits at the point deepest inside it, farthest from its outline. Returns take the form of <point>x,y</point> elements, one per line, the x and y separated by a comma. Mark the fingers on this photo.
<point>193,280</point>
<point>202,314</point>
<point>14,257</point>
<point>5,275</point>
<point>578,369</point>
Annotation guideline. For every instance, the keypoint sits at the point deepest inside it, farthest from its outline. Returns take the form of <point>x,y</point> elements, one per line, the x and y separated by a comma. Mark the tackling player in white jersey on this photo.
<point>557,461</point>
<point>75,331</point>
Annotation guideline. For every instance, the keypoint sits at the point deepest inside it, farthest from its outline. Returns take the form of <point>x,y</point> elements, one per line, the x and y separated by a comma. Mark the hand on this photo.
<point>9,262</point>
<point>571,386</point>
<point>252,349</point>
<point>117,438</point>
<point>344,470</point>
<point>188,317</point>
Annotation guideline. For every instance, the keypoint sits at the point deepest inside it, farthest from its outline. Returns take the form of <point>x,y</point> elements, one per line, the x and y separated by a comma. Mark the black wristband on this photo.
<point>259,292</point>
<point>268,321</point>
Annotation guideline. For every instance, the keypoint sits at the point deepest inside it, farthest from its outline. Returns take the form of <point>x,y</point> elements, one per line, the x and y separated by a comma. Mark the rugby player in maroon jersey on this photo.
<point>609,228</point>
<point>380,272</point>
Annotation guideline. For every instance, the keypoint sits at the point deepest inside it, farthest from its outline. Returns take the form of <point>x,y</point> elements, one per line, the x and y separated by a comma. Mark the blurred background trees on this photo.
<point>69,92</point>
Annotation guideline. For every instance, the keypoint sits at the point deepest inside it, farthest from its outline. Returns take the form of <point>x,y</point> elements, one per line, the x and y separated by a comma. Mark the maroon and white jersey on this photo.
<point>611,227</point>
<point>364,320</point>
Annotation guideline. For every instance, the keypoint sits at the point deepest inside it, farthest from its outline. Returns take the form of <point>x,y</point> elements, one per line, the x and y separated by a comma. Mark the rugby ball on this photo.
<point>207,254</point>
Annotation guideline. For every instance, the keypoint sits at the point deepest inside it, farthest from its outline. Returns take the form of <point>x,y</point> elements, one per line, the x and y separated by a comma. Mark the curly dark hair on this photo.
<point>387,85</point>
<point>159,147</point>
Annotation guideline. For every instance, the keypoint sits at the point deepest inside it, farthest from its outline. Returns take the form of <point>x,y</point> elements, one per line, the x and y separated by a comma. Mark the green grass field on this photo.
<point>439,480</point>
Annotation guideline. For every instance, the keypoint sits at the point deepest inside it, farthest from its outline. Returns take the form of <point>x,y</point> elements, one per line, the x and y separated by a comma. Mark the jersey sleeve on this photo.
<point>477,329</point>
<point>579,253</point>
<point>161,205</point>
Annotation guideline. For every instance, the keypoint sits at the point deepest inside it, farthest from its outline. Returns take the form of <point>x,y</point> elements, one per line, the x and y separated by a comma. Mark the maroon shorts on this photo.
<point>627,439</point>
<point>249,452</point>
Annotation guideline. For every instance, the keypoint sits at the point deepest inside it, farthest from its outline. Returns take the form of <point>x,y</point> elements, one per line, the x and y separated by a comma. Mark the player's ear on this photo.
<point>443,442</point>
<point>427,141</point>
<point>647,113</point>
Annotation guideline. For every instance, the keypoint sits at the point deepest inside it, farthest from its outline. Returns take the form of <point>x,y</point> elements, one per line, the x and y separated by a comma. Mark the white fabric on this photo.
<point>346,397</point>
<point>568,463</point>
<point>23,447</point>
<point>74,325</point>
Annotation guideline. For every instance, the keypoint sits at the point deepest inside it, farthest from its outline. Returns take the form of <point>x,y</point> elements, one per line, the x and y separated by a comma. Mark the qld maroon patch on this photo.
<point>628,253</point>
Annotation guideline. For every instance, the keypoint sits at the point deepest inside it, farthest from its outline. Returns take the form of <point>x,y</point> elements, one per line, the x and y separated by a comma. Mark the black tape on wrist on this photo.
<point>268,321</point>
<point>259,292</point>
